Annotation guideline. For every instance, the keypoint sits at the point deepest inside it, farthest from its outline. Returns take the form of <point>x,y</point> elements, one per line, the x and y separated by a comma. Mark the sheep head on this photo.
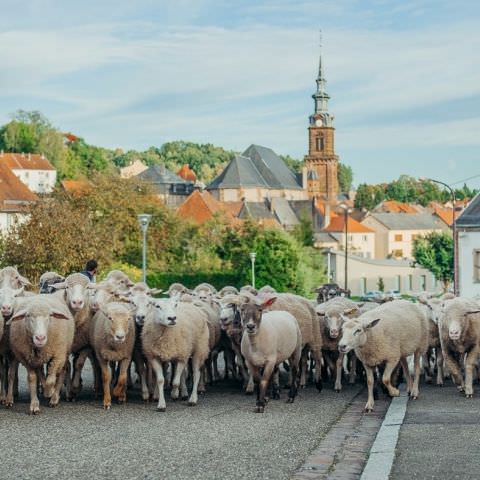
<point>251,313</point>
<point>355,333</point>
<point>7,298</point>
<point>335,316</point>
<point>118,316</point>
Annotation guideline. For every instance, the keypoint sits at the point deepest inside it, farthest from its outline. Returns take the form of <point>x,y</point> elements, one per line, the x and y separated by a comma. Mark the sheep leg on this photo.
<point>106,379</point>
<point>352,374</point>
<point>276,384</point>
<point>196,364</point>
<point>387,377</point>
<point>142,373</point>
<point>3,380</point>
<point>318,369</point>
<point>158,369</point>
<point>32,385</point>
<point>179,367</point>
<point>54,368</point>
<point>55,398</point>
<point>439,360</point>
<point>68,380</point>
<point>264,381</point>
<point>338,372</point>
<point>406,374</point>
<point>370,381</point>
<point>470,361</point>
<point>120,390</point>
<point>416,380</point>
<point>294,362</point>
<point>216,373</point>
<point>12,374</point>
<point>183,385</point>
<point>78,363</point>
<point>249,389</point>
<point>455,370</point>
<point>203,374</point>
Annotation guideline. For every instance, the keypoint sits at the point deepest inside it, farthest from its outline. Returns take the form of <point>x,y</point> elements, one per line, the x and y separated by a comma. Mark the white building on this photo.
<point>34,170</point>
<point>364,274</point>
<point>468,234</point>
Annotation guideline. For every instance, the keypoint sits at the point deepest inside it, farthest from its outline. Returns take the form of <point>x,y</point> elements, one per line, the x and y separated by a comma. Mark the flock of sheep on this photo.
<point>175,341</point>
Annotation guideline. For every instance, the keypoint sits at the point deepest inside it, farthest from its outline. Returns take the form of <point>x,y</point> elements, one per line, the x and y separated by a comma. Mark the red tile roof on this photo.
<point>70,137</point>
<point>201,207</point>
<point>337,225</point>
<point>392,206</point>
<point>233,207</point>
<point>14,194</point>
<point>76,187</point>
<point>187,174</point>
<point>25,161</point>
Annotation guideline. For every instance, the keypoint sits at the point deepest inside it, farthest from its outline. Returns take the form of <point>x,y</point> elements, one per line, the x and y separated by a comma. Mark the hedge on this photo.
<point>218,279</point>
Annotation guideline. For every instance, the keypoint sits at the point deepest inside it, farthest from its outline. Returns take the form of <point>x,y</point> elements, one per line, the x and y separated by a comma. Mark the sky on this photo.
<point>403,76</point>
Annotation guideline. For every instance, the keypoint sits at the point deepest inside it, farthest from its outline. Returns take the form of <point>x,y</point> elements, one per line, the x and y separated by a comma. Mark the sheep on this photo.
<point>47,280</point>
<point>41,333</point>
<point>121,281</point>
<point>207,287</point>
<point>143,287</point>
<point>388,334</point>
<point>269,338</point>
<point>175,332</point>
<point>460,337</point>
<point>112,336</point>
<point>228,290</point>
<point>9,276</point>
<point>7,299</point>
<point>332,314</point>
<point>248,289</point>
<point>266,289</point>
<point>176,288</point>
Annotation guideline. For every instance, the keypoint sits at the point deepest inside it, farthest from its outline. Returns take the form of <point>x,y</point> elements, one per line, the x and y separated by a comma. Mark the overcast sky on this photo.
<point>404,76</point>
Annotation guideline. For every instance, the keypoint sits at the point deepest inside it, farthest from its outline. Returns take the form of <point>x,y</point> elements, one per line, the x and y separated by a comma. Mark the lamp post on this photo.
<point>346,210</point>
<point>454,232</point>
<point>144,220</point>
<point>253,255</point>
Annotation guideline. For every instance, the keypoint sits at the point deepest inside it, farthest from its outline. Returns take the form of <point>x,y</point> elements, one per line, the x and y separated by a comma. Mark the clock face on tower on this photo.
<point>319,122</point>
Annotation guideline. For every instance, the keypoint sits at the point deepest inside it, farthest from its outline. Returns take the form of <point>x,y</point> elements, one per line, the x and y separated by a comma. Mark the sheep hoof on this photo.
<point>439,384</point>
<point>414,397</point>
<point>248,392</point>
<point>35,411</point>
<point>469,395</point>
<point>276,396</point>
<point>107,406</point>
<point>290,399</point>
<point>161,409</point>
<point>3,401</point>
<point>319,385</point>
<point>338,390</point>
<point>8,404</point>
<point>260,409</point>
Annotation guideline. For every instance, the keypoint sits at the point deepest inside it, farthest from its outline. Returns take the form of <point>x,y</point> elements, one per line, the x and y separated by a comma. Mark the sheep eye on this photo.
<point>356,332</point>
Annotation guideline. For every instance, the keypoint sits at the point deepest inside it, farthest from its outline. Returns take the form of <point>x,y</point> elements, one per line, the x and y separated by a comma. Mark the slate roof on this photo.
<point>284,212</point>
<point>410,221</point>
<point>471,215</point>
<point>257,167</point>
<point>161,175</point>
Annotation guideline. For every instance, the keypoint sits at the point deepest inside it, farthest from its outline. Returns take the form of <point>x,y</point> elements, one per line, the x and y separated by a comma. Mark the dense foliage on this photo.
<point>408,190</point>
<point>435,253</point>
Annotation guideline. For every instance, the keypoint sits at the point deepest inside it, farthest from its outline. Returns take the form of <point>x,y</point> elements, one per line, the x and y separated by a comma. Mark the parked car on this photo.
<point>373,296</point>
<point>394,294</point>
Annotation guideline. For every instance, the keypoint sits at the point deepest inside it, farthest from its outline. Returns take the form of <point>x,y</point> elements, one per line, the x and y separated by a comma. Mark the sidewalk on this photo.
<point>440,436</point>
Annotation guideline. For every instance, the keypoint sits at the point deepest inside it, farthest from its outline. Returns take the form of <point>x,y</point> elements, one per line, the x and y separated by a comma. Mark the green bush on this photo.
<point>218,279</point>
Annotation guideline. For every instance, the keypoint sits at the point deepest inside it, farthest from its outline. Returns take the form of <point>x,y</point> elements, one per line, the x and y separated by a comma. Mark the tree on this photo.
<point>435,253</point>
<point>292,163</point>
<point>345,177</point>
<point>365,197</point>
<point>303,232</point>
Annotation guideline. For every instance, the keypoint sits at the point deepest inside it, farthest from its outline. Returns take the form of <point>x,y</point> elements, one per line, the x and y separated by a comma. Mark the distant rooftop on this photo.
<point>25,161</point>
<point>412,221</point>
<point>470,218</point>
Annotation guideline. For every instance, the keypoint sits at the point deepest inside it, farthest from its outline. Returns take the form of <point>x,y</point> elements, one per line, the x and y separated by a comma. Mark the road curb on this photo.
<point>382,453</point>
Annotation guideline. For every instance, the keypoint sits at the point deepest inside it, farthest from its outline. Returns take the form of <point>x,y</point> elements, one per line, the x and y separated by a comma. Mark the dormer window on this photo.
<point>320,143</point>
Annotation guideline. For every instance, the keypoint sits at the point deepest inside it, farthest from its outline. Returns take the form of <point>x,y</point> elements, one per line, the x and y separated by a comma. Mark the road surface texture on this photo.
<point>221,438</point>
<point>439,437</point>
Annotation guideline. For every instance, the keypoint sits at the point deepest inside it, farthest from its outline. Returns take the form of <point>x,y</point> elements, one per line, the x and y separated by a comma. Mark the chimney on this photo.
<point>304,178</point>
<point>326,221</point>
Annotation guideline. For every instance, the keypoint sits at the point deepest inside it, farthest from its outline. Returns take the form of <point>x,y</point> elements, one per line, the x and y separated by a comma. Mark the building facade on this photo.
<point>468,238</point>
<point>321,164</point>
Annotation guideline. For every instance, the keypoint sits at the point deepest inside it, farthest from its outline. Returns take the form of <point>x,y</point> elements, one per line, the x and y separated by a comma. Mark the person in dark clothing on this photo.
<point>90,270</point>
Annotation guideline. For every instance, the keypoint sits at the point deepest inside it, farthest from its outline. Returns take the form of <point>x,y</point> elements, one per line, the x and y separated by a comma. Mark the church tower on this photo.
<point>321,163</point>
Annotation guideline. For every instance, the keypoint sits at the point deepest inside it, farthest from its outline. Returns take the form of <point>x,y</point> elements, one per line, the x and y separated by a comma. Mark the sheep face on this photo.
<point>251,314</point>
<point>75,287</point>
<point>9,276</point>
<point>142,303</point>
<point>102,294</point>
<point>435,306</point>
<point>37,320</point>
<point>7,298</point>
<point>335,318</point>
<point>164,311</point>
<point>120,281</point>
<point>119,318</point>
<point>355,334</point>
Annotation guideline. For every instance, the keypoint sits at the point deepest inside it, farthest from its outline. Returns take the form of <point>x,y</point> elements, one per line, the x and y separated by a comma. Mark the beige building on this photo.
<point>395,232</point>
<point>364,274</point>
<point>133,169</point>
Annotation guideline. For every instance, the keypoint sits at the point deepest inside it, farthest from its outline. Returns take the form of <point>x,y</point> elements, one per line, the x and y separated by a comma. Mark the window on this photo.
<point>423,282</point>
<point>364,238</point>
<point>363,286</point>
<point>414,236</point>
<point>398,253</point>
<point>26,174</point>
<point>320,143</point>
<point>410,282</point>
<point>476,266</point>
<point>398,237</point>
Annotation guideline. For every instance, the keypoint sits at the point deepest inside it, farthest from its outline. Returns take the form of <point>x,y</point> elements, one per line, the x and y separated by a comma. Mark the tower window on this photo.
<point>320,143</point>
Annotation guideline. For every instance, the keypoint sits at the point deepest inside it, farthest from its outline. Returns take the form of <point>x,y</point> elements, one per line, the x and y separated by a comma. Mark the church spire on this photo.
<point>321,96</point>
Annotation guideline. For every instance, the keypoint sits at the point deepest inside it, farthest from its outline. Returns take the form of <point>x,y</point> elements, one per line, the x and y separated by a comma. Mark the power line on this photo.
<point>465,180</point>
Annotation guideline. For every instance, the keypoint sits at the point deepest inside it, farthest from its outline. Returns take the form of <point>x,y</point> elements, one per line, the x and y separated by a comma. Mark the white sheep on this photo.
<point>175,333</point>
<point>270,338</point>
<point>9,276</point>
<point>41,333</point>
<point>460,337</point>
<point>389,333</point>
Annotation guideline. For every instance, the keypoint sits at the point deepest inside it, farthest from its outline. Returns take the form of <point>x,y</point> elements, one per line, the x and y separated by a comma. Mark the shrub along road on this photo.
<point>221,438</point>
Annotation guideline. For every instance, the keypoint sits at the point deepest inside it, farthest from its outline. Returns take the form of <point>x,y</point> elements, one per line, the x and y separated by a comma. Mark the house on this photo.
<point>135,168</point>
<point>361,239</point>
<point>393,206</point>
<point>187,174</point>
<point>395,232</point>
<point>260,212</point>
<point>14,197</point>
<point>258,173</point>
<point>172,189</point>
<point>468,238</point>
<point>200,207</point>
<point>364,274</point>
<point>34,170</point>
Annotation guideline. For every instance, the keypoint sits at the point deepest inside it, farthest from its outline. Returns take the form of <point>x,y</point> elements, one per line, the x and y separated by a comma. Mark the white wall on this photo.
<point>7,220</point>
<point>468,242</point>
<point>38,181</point>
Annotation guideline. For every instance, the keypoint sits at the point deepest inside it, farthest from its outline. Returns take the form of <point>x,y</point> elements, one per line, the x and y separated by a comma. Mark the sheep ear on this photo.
<point>19,291</point>
<point>59,286</point>
<point>155,291</point>
<point>268,302</point>
<point>473,312</point>
<point>20,315</point>
<point>24,281</point>
<point>372,323</point>
<point>58,314</point>
<point>350,311</point>
<point>361,304</point>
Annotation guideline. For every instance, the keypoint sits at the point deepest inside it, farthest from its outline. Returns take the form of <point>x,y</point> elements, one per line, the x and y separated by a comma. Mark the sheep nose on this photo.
<point>120,337</point>
<point>140,318</point>
<point>40,338</point>
<point>77,304</point>
<point>250,326</point>
<point>334,332</point>
<point>6,309</point>
<point>172,320</point>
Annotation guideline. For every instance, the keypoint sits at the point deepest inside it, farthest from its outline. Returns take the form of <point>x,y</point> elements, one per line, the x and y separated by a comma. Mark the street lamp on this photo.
<point>454,232</point>
<point>346,210</point>
<point>144,220</point>
<point>253,255</point>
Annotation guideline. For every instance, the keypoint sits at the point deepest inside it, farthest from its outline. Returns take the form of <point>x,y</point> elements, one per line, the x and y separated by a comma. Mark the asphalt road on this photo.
<point>440,436</point>
<point>220,438</point>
